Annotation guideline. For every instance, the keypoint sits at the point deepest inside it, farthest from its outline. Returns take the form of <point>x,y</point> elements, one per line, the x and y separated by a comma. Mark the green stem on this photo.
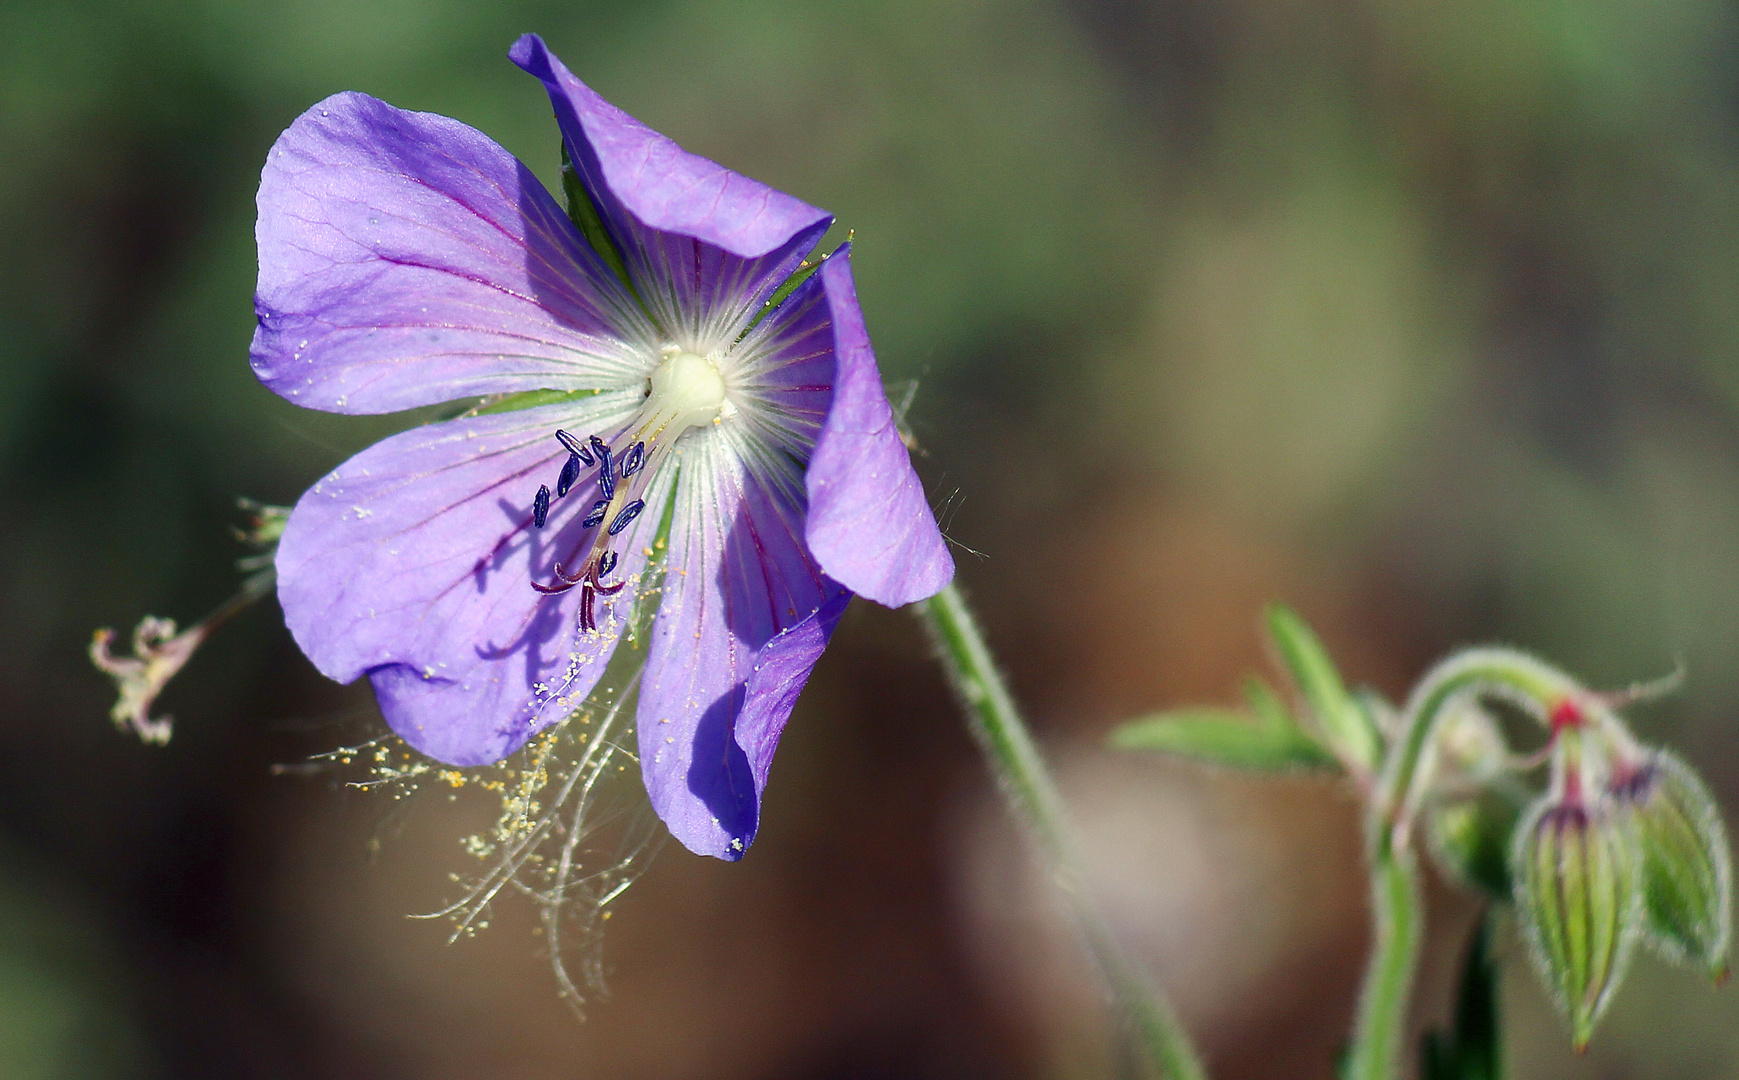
<point>1399,915</point>
<point>1397,906</point>
<point>996,724</point>
<point>1519,678</point>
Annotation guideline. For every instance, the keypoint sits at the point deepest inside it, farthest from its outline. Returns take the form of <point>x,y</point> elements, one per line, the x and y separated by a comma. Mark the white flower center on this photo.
<point>684,391</point>
<point>687,391</point>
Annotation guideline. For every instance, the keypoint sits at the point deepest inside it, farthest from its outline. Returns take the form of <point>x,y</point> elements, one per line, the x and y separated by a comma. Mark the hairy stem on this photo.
<point>1399,917</point>
<point>1397,906</point>
<point>1032,797</point>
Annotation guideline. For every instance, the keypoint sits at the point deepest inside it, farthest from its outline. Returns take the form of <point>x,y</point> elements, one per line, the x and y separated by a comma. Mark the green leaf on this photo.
<point>1345,725</point>
<point>1228,737</point>
<point>1266,704</point>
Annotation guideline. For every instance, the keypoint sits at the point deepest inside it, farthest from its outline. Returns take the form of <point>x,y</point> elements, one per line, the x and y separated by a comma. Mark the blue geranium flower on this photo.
<point>474,569</point>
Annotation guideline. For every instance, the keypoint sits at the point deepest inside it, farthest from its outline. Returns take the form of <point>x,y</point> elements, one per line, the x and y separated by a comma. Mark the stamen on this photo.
<point>603,566</point>
<point>575,446</point>
<point>570,473</point>
<point>606,475</point>
<point>595,516</point>
<point>629,513</point>
<point>540,506</point>
<point>587,596</point>
<point>635,458</point>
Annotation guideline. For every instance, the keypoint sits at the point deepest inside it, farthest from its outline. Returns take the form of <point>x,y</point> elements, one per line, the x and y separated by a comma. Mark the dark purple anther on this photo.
<point>606,564</point>
<point>595,515</point>
<point>629,513</point>
<point>632,461</point>
<point>606,474</point>
<point>575,446</point>
<point>587,596</point>
<point>570,473</point>
<point>540,506</point>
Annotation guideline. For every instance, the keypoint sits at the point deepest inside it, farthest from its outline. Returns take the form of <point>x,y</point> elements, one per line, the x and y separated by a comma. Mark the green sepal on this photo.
<point>585,217</point>
<point>804,271</point>
<point>1345,725</point>
<point>1470,839</point>
<point>1229,737</point>
<point>526,400</point>
<point>1578,897</point>
<point>265,522</point>
<point>1686,866</point>
<point>1471,1049</point>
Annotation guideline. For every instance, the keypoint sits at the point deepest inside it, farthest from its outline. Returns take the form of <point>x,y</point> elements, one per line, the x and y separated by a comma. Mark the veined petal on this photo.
<point>782,371</point>
<point>413,563</point>
<point>705,246</point>
<point>738,579</point>
<point>406,259</point>
<point>870,526</point>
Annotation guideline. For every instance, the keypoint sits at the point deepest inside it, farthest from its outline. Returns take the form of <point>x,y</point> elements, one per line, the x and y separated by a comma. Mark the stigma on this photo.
<point>684,392</point>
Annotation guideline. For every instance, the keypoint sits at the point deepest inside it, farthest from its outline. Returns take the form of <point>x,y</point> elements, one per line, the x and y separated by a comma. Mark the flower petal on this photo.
<point>704,246</point>
<point>406,259</point>
<point>780,670</point>
<point>782,371</point>
<point>870,525</point>
<point>738,579</point>
<point>413,562</point>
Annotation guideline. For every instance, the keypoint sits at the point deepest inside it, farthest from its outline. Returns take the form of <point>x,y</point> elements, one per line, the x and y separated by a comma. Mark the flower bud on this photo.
<point>1469,747</point>
<point>1686,865</point>
<point>1469,839</point>
<point>1471,811</point>
<point>1578,891</point>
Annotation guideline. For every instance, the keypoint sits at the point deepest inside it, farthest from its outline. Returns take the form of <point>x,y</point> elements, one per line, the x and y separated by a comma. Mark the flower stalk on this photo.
<point>1398,911</point>
<point>1397,903</point>
<point>1032,797</point>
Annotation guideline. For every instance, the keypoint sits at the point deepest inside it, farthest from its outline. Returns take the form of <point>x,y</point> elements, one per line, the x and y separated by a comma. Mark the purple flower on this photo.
<point>476,569</point>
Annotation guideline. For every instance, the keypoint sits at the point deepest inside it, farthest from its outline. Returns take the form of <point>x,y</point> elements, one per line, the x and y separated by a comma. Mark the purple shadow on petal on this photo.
<point>870,525</point>
<point>412,563</point>
<point>736,737</point>
<point>739,577</point>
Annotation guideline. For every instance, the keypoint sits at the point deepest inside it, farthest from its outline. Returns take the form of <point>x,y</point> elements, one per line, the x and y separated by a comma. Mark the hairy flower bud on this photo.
<point>1469,839</point>
<point>1578,894</point>
<point>1685,862</point>
<point>1473,805</point>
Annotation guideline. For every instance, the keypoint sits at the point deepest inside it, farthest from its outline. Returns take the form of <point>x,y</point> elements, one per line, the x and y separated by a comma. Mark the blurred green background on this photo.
<point>1420,314</point>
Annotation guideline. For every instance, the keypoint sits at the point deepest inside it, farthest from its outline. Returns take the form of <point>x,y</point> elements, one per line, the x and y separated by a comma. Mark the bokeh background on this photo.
<point>1422,315</point>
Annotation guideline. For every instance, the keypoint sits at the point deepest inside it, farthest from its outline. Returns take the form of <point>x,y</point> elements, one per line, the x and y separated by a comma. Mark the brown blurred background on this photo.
<point>1421,315</point>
